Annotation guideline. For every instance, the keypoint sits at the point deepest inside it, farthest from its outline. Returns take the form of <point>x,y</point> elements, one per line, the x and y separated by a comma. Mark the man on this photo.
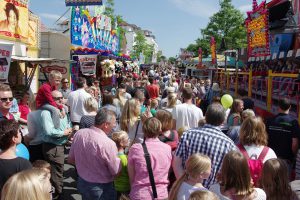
<point>208,140</point>
<point>152,89</point>
<point>95,158</point>
<point>65,88</point>
<point>283,133</point>
<point>186,114</point>
<point>76,101</point>
<point>53,143</point>
<point>6,99</point>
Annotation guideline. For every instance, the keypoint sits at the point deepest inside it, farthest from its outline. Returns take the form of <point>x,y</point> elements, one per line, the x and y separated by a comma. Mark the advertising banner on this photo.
<point>92,31</point>
<point>88,64</point>
<point>258,31</point>
<point>281,43</point>
<point>82,2</point>
<point>5,57</point>
<point>213,51</point>
<point>14,20</point>
<point>33,30</point>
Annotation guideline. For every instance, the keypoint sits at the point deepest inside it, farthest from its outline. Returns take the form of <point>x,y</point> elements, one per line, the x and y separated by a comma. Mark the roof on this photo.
<point>29,59</point>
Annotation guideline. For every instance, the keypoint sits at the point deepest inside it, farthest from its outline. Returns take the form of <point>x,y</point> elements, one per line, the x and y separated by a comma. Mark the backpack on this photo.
<point>255,165</point>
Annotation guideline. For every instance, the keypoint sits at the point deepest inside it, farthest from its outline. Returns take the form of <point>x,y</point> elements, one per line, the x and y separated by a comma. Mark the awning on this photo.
<point>29,59</point>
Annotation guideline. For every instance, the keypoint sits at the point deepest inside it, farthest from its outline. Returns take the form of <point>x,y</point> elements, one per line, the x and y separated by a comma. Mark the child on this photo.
<point>181,130</point>
<point>203,195</point>
<point>44,99</point>
<point>122,184</point>
<point>153,107</point>
<point>198,168</point>
<point>42,164</point>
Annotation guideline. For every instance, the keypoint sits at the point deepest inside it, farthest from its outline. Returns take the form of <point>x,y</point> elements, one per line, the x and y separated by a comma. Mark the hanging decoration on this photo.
<point>213,51</point>
<point>257,25</point>
<point>83,2</point>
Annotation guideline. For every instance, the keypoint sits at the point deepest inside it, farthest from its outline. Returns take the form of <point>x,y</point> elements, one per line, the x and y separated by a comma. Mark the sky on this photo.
<point>175,23</point>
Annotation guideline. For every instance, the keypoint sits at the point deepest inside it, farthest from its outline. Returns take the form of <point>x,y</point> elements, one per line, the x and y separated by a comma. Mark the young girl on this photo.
<point>234,117</point>
<point>275,182</point>
<point>198,168</point>
<point>122,184</point>
<point>234,181</point>
<point>153,107</point>
<point>203,195</point>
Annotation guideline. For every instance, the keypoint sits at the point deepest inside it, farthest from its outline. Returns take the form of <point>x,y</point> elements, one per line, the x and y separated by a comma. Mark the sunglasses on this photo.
<point>6,99</point>
<point>57,98</point>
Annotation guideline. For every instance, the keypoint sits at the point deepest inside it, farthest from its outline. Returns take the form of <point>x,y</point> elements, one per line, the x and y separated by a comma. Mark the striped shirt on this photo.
<point>208,140</point>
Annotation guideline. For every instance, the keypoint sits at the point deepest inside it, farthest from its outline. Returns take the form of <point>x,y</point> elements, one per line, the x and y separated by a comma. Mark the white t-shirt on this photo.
<point>215,188</point>
<point>187,115</point>
<point>164,102</point>
<point>186,190</point>
<point>76,102</point>
<point>254,151</point>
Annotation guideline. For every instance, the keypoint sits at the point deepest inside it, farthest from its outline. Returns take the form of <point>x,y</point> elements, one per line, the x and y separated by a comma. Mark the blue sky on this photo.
<point>175,23</point>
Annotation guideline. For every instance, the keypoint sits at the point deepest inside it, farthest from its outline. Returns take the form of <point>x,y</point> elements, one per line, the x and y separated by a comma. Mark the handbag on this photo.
<point>148,162</point>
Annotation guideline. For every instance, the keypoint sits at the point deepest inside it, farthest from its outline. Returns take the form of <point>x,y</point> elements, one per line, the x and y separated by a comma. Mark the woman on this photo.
<point>275,182</point>
<point>197,169</point>
<point>168,135</point>
<point>234,181</point>
<point>130,121</point>
<point>107,102</point>
<point>234,117</point>
<point>160,156</point>
<point>10,164</point>
<point>120,100</point>
<point>33,184</point>
<point>91,106</point>
<point>254,141</point>
<point>172,101</point>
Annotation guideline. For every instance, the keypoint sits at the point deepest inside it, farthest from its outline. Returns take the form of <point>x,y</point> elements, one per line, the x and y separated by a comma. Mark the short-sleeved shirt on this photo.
<point>122,182</point>
<point>161,157</point>
<point>24,110</point>
<point>186,190</point>
<point>281,130</point>
<point>208,140</point>
<point>10,167</point>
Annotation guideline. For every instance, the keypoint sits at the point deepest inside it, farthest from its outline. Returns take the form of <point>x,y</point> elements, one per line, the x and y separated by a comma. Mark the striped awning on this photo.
<point>83,2</point>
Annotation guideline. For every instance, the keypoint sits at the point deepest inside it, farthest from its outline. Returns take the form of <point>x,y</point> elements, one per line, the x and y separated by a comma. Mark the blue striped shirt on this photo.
<point>208,140</point>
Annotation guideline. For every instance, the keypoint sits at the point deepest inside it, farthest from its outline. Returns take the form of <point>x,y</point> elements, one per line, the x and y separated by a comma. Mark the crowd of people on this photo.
<point>155,135</point>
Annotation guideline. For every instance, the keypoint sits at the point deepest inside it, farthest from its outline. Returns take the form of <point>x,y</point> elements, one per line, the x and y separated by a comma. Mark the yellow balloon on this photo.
<point>226,101</point>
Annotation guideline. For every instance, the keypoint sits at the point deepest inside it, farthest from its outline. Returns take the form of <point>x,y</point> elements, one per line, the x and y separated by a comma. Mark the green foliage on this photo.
<point>148,52</point>
<point>172,60</point>
<point>227,22</point>
<point>140,43</point>
<point>160,56</point>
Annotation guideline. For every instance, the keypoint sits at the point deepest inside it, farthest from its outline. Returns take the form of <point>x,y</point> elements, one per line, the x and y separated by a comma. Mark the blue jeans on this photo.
<point>96,191</point>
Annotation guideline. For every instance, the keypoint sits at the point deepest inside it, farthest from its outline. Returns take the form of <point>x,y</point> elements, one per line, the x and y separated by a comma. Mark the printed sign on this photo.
<point>87,64</point>
<point>213,50</point>
<point>5,58</point>
<point>14,20</point>
<point>82,2</point>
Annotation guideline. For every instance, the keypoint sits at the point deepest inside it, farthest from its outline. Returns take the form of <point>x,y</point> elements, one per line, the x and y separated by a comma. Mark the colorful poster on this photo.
<point>33,30</point>
<point>82,2</point>
<point>258,31</point>
<point>213,51</point>
<point>5,58</point>
<point>87,64</point>
<point>281,43</point>
<point>14,20</point>
<point>93,32</point>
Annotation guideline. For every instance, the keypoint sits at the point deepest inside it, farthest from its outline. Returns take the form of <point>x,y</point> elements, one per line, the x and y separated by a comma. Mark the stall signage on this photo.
<point>88,64</point>
<point>213,50</point>
<point>258,31</point>
<point>5,58</point>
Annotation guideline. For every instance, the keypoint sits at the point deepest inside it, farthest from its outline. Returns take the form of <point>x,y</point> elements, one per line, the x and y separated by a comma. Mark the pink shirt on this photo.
<point>161,158</point>
<point>95,155</point>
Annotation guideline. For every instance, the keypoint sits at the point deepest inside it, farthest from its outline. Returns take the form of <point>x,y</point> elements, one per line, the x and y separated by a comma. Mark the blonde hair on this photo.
<point>118,137</point>
<point>235,174</point>
<point>248,113</point>
<point>253,131</point>
<point>172,100</point>
<point>274,180</point>
<point>196,165</point>
<point>130,114</point>
<point>203,195</point>
<point>166,119</point>
<point>55,74</point>
<point>41,164</point>
<point>154,103</point>
<point>27,185</point>
<point>181,130</point>
<point>90,104</point>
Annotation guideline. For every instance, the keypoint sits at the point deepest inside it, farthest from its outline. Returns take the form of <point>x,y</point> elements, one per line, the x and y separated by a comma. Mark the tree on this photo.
<point>139,44</point>
<point>159,56</point>
<point>228,22</point>
<point>148,52</point>
<point>172,60</point>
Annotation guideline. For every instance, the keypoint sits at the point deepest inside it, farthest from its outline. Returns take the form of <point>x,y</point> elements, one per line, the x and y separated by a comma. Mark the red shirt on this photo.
<point>24,110</point>
<point>44,96</point>
<point>153,91</point>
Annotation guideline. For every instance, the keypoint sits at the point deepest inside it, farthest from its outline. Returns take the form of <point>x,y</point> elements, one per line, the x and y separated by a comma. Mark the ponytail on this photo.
<point>176,186</point>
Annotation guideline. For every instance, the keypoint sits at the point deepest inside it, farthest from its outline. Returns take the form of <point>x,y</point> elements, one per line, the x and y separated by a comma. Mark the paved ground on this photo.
<point>70,191</point>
